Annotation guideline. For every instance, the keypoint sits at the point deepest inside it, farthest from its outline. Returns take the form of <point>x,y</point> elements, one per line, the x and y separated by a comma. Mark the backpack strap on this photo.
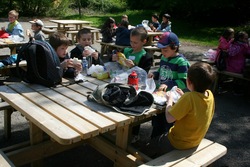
<point>20,57</point>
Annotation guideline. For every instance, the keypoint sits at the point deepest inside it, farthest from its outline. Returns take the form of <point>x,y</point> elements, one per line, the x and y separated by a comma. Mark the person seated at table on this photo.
<point>172,72</point>
<point>60,43</point>
<point>125,18</point>
<point>14,27</point>
<point>165,26</point>
<point>108,30</point>
<point>137,56</point>
<point>238,51</point>
<point>123,34</point>
<point>192,114</point>
<point>84,48</point>
<point>36,27</point>
<point>155,22</point>
<point>225,41</point>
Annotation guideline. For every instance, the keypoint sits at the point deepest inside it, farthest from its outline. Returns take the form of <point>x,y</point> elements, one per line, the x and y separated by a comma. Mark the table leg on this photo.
<point>36,136</point>
<point>12,50</point>
<point>122,134</point>
<point>7,123</point>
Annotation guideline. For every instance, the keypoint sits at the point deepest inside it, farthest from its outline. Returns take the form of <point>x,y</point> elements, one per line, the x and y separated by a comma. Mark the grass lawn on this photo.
<point>193,32</point>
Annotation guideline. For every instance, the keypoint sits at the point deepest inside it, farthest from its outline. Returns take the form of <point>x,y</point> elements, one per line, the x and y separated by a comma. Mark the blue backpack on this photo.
<point>43,64</point>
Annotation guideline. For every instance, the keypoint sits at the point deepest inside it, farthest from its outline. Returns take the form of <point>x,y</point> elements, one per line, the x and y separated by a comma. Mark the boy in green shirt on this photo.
<point>137,56</point>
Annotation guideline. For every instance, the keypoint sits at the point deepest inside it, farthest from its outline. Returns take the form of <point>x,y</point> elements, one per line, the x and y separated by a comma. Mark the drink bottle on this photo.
<point>84,66</point>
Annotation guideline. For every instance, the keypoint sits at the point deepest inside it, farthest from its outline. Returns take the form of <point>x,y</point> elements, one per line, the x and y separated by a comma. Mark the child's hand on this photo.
<point>78,67</point>
<point>3,28</point>
<point>28,33</point>
<point>69,63</point>
<point>150,75</point>
<point>179,91</point>
<point>114,57</point>
<point>85,53</point>
<point>129,63</point>
<point>95,55</point>
<point>169,96</point>
<point>163,87</point>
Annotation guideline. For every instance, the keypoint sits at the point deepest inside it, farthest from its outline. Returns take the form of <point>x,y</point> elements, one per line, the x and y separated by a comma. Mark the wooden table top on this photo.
<point>64,112</point>
<point>70,21</point>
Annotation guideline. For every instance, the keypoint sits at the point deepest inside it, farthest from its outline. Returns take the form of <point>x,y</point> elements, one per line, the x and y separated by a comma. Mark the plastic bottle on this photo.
<point>84,66</point>
<point>133,80</point>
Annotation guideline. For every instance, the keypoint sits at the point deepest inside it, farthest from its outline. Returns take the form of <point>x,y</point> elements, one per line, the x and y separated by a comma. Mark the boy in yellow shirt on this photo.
<point>192,113</point>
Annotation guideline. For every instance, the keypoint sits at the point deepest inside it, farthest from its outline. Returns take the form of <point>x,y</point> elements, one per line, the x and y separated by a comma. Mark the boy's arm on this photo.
<point>169,117</point>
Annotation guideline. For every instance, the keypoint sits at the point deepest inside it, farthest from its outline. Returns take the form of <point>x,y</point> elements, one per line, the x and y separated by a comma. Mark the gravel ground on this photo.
<point>230,126</point>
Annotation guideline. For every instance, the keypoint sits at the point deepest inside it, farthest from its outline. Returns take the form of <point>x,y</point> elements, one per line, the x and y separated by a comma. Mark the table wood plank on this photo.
<point>80,125</point>
<point>176,156</point>
<point>49,124</point>
<point>208,155</point>
<point>79,109</point>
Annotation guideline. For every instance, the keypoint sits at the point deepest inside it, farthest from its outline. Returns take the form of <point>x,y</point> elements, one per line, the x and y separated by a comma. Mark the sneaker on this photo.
<point>135,138</point>
<point>1,65</point>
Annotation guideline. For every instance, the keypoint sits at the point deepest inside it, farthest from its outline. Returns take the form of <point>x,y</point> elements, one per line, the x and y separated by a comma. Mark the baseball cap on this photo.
<point>37,21</point>
<point>168,38</point>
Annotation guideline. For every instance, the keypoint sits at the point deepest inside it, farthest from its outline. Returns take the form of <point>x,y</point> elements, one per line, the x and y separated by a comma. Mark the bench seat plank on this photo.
<point>4,160</point>
<point>208,155</point>
<point>176,156</point>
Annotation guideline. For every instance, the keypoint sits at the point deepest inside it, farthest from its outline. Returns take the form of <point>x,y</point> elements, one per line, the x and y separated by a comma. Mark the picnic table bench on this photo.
<point>203,155</point>
<point>4,160</point>
<point>228,74</point>
<point>94,31</point>
<point>6,69</point>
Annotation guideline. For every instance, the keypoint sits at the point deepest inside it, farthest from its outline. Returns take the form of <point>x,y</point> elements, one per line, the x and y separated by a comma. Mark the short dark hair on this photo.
<point>155,16</point>
<point>240,35</point>
<point>83,31</point>
<point>201,75</point>
<point>124,23</point>
<point>57,39</point>
<point>140,31</point>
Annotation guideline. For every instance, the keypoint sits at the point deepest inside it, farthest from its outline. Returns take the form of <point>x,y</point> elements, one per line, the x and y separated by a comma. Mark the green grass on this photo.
<point>198,33</point>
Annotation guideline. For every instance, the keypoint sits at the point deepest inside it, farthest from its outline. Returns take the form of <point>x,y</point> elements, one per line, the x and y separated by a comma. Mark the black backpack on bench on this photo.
<point>43,64</point>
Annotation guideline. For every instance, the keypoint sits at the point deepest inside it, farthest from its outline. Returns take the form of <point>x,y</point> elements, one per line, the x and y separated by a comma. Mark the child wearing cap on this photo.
<point>14,27</point>
<point>192,113</point>
<point>172,72</point>
<point>165,26</point>
<point>36,26</point>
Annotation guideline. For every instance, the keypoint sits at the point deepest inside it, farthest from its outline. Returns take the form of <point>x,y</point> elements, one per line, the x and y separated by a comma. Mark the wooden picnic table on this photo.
<point>62,25</point>
<point>151,36</point>
<point>69,119</point>
<point>12,45</point>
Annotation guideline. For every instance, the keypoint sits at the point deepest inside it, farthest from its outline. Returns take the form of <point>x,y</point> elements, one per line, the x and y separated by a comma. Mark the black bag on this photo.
<point>221,60</point>
<point>43,64</point>
<point>122,98</point>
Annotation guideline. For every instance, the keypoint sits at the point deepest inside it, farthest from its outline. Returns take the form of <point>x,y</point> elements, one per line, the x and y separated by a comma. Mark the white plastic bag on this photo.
<point>145,25</point>
<point>150,85</point>
<point>175,94</point>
